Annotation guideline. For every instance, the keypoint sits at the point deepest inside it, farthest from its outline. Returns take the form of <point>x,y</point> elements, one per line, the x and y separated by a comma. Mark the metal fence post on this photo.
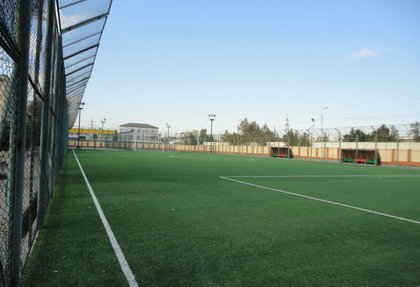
<point>397,156</point>
<point>45,114</point>
<point>299,146</point>
<point>376,149</point>
<point>339,156</point>
<point>23,37</point>
<point>61,114</point>
<point>35,105</point>
<point>357,149</point>
<point>311,144</point>
<point>55,131</point>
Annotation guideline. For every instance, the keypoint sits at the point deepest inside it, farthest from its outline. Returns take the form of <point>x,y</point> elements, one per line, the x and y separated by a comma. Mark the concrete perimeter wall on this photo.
<point>406,154</point>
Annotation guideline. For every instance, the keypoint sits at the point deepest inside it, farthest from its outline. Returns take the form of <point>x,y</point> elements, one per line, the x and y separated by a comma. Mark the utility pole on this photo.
<point>92,124</point>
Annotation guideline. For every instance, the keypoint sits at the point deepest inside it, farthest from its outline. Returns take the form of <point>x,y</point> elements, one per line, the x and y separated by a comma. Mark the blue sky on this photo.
<point>177,61</point>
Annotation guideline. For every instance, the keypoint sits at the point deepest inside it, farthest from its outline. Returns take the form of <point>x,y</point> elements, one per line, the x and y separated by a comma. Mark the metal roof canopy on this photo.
<point>82,23</point>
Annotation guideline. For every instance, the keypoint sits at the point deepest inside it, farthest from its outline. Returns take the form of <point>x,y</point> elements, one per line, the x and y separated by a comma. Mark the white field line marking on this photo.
<point>325,176</point>
<point>207,159</point>
<point>117,249</point>
<point>322,200</point>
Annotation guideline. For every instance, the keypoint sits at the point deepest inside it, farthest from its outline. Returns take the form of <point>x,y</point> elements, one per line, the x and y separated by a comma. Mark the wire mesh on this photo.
<point>8,109</point>
<point>25,185</point>
<point>47,52</point>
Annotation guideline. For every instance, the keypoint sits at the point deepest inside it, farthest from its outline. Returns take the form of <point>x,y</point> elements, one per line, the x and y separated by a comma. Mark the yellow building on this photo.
<point>88,134</point>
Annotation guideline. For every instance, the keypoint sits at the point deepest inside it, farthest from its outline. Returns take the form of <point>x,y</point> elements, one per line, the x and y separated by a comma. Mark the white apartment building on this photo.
<point>135,132</point>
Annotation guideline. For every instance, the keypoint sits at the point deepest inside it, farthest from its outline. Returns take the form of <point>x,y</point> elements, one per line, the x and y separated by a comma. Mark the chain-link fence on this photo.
<point>392,144</point>
<point>387,144</point>
<point>33,126</point>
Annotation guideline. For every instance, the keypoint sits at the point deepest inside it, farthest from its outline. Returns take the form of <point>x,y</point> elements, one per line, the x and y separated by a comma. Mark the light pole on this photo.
<point>168,126</point>
<point>80,108</point>
<point>102,122</point>
<point>313,124</point>
<point>212,117</point>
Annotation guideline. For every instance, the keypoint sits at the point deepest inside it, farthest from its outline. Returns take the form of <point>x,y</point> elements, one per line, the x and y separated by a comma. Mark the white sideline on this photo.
<point>322,200</point>
<point>117,249</point>
<point>326,176</point>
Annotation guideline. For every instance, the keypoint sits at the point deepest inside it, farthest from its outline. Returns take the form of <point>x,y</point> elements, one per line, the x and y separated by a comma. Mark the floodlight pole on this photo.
<point>80,108</point>
<point>212,117</point>
<point>168,126</point>
<point>309,129</point>
<point>103,121</point>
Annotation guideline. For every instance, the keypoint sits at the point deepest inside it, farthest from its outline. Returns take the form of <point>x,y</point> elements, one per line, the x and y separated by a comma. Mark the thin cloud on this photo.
<point>362,54</point>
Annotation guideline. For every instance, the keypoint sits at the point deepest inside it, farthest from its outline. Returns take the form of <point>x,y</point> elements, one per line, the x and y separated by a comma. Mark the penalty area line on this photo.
<point>321,200</point>
<point>117,249</point>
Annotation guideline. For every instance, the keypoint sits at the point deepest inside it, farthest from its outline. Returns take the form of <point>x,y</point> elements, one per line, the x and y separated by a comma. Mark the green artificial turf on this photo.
<point>72,248</point>
<point>180,224</point>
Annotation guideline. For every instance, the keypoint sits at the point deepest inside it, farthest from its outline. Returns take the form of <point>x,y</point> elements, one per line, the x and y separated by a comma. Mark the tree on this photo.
<point>355,134</point>
<point>305,139</point>
<point>291,138</point>
<point>267,135</point>
<point>203,136</point>
<point>189,138</point>
<point>415,131</point>
<point>393,134</point>
<point>385,134</point>
<point>232,139</point>
<point>251,132</point>
<point>323,138</point>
